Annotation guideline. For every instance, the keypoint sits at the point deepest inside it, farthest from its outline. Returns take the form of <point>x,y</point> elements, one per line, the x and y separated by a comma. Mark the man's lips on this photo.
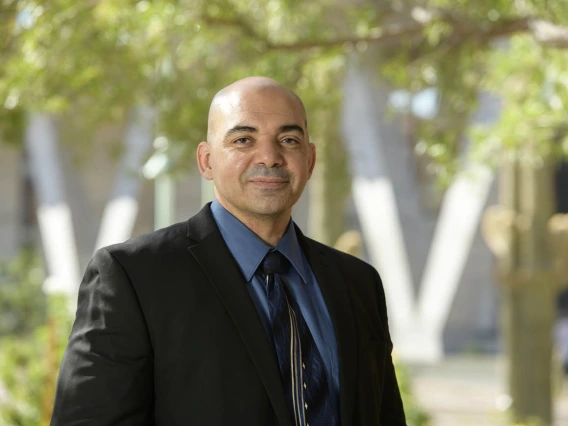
<point>269,183</point>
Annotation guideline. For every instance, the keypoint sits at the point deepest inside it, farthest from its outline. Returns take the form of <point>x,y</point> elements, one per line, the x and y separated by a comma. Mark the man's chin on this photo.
<point>269,209</point>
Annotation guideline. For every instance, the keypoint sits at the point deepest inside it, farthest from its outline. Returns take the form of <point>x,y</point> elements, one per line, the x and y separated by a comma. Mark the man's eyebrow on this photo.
<point>241,129</point>
<point>291,128</point>
<point>249,129</point>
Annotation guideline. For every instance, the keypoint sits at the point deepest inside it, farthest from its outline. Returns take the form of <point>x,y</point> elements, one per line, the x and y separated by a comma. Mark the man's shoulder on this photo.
<point>343,260</point>
<point>159,241</point>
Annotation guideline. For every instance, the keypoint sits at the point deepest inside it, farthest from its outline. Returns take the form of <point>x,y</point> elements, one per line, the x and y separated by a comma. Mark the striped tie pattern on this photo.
<point>301,366</point>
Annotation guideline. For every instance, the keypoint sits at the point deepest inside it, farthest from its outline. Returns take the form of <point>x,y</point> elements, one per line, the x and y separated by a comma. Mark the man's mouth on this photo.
<point>269,183</point>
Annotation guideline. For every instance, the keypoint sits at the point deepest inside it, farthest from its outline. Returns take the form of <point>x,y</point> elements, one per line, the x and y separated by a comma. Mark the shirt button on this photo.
<point>305,385</point>
<point>303,366</point>
<point>306,405</point>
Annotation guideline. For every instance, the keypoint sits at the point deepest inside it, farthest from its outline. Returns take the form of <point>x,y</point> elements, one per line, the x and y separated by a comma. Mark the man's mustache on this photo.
<point>273,172</point>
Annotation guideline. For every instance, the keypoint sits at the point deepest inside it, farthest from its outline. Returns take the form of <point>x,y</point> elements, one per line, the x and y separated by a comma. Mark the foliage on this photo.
<point>29,365</point>
<point>495,47</point>
<point>533,83</point>
<point>415,415</point>
<point>23,306</point>
<point>33,333</point>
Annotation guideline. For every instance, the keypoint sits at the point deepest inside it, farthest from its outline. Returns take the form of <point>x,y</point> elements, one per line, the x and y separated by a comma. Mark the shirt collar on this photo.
<point>289,246</point>
<point>249,250</point>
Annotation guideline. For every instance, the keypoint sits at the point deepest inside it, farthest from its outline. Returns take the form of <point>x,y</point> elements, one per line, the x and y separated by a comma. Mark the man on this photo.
<point>234,317</point>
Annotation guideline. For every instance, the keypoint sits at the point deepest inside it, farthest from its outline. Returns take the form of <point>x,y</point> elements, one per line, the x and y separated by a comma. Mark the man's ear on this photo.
<point>311,157</point>
<point>204,160</point>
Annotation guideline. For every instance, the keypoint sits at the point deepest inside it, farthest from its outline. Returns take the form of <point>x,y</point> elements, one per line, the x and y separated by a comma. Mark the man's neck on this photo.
<point>269,229</point>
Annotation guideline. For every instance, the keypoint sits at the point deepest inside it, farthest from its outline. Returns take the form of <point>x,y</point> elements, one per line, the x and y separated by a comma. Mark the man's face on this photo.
<point>258,152</point>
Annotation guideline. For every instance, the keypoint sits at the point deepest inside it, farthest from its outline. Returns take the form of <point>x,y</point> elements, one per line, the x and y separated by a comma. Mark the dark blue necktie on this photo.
<point>300,362</point>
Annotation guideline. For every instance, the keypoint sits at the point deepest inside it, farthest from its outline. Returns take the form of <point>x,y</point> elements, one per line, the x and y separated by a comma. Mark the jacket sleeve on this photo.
<point>392,410</point>
<point>106,372</point>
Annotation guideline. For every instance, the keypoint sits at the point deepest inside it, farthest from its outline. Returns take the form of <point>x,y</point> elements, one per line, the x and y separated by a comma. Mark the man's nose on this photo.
<point>269,153</point>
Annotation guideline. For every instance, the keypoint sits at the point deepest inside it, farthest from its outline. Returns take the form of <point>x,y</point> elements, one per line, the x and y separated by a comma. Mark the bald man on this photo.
<point>233,317</point>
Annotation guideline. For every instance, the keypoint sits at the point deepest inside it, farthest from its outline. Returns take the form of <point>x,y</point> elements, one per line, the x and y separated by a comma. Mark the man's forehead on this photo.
<point>226,103</point>
<point>235,111</point>
<point>258,102</point>
<point>254,105</point>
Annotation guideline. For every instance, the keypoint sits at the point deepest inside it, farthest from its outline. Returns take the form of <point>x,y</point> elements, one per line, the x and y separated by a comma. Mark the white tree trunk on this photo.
<point>53,213</point>
<point>374,197</point>
<point>417,328</point>
<point>457,225</point>
<point>121,210</point>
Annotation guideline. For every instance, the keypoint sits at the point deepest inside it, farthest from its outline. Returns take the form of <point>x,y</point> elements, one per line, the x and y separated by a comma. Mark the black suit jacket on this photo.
<point>166,334</point>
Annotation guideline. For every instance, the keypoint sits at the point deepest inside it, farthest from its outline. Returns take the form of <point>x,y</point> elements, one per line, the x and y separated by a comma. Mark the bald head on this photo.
<point>250,94</point>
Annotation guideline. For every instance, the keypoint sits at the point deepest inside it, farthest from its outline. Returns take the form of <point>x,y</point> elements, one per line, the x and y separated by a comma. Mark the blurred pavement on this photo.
<point>468,390</point>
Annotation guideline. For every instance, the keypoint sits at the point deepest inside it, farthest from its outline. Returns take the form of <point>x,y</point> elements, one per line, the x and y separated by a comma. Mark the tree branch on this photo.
<point>237,23</point>
<point>384,36</point>
<point>544,32</point>
<point>549,34</point>
<point>389,34</point>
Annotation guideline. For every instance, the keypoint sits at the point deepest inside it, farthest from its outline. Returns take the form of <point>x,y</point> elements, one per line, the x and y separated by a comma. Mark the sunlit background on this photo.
<point>442,142</point>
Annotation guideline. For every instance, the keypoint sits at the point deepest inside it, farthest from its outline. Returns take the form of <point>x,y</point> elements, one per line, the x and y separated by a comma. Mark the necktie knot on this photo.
<point>274,263</point>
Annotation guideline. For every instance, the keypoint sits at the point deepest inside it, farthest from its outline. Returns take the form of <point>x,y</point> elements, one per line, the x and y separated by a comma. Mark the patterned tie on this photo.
<point>301,365</point>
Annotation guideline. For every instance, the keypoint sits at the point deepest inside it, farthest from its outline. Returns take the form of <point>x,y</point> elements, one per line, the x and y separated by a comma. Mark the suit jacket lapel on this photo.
<point>336,296</point>
<point>211,252</point>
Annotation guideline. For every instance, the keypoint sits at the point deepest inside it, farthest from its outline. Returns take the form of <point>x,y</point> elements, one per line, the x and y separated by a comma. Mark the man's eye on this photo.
<point>241,141</point>
<point>289,141</point>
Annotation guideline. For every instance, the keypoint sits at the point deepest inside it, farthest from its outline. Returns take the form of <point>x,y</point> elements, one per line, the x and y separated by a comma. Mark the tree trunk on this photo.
<point>374,196</point>
<point>529,290</point>
<point>329,183</point>
<point>121,210</point>
<point>53,212</point>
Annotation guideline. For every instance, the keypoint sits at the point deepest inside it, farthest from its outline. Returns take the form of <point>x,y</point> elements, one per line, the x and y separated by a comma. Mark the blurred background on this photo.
<point>442,142</point>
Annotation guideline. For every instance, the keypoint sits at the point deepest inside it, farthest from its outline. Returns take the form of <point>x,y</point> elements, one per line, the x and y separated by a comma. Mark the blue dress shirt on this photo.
<point>249,251</point>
